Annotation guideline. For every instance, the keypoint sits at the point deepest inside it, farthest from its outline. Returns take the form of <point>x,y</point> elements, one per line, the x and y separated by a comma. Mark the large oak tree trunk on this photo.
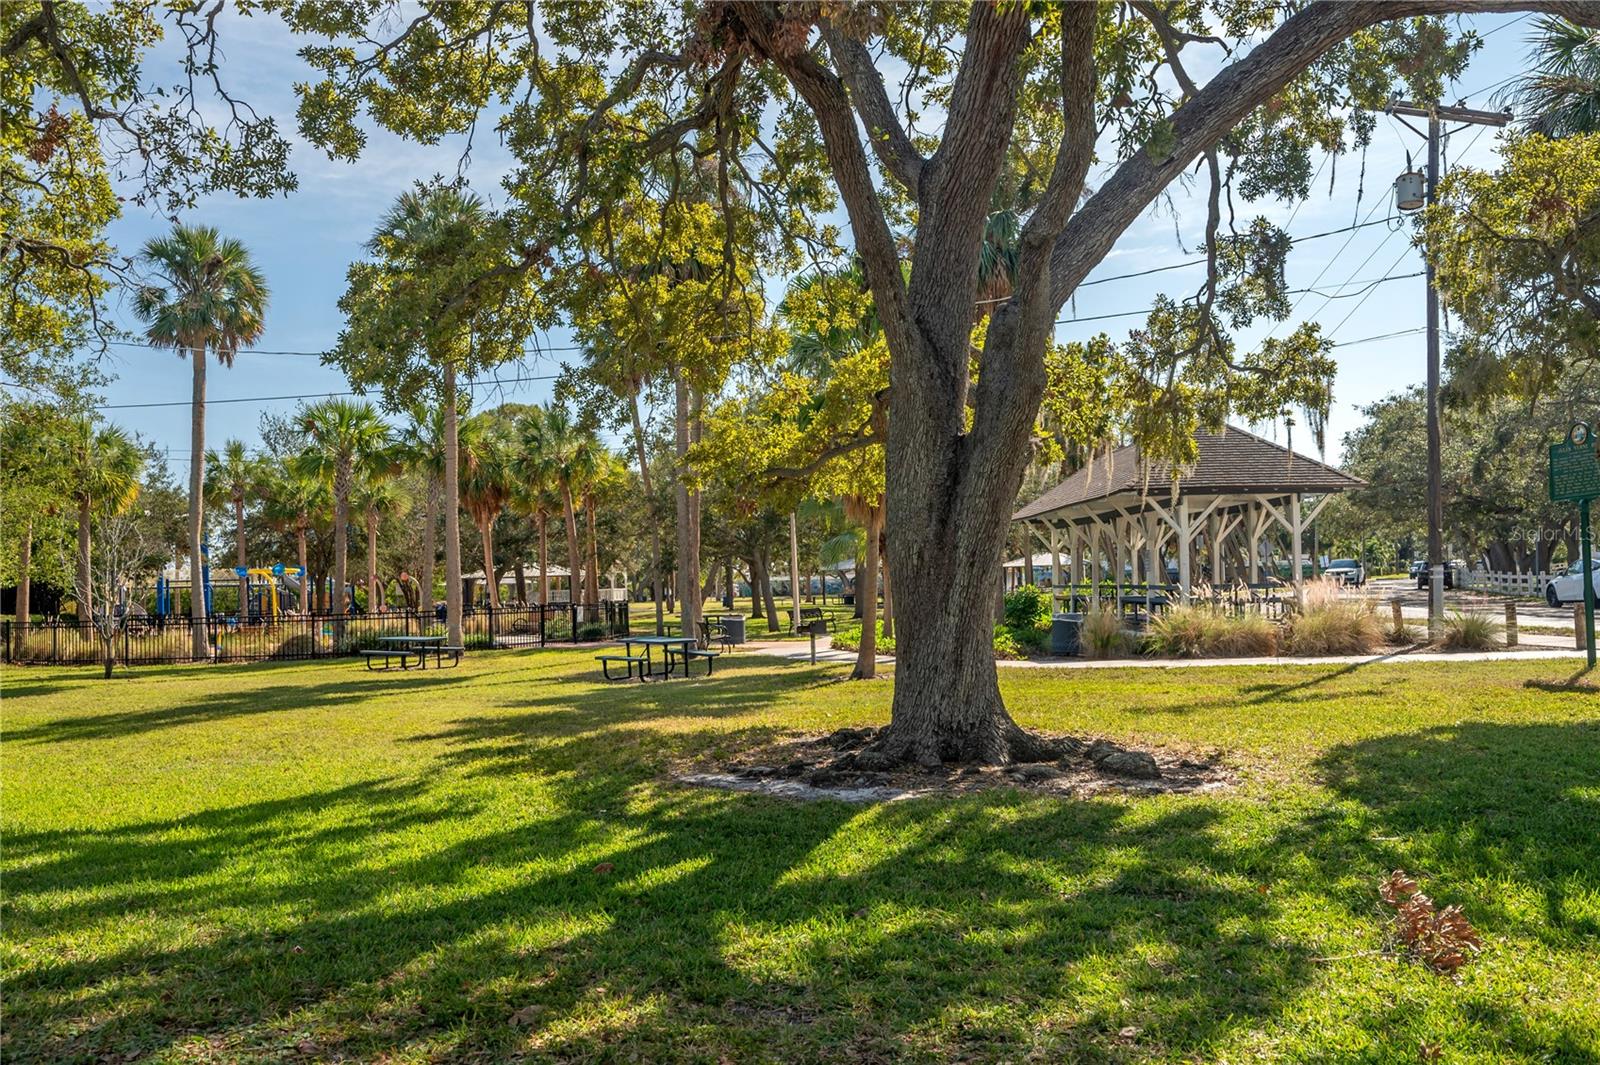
<point>452,509</point>
<point>197,485</point>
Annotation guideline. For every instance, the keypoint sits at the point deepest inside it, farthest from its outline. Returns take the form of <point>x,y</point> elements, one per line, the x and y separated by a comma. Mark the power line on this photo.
<point>1382,336</point>
<point>1368,221</point>
<point>317,354</point>
<point>1367,283</point>
<point>315,395</point>
<point>1197,262</point>
<point>1334,331</point>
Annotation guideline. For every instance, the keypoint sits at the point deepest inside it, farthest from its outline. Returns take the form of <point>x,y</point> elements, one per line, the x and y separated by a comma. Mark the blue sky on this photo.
<point>305,241</point>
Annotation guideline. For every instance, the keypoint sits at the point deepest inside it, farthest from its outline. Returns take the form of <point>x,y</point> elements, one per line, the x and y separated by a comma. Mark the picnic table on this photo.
<point>403,647</point>
<point>671,647</point>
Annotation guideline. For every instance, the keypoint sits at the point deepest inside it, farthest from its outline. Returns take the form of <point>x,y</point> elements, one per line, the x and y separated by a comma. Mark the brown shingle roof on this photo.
<point>1232,462</point>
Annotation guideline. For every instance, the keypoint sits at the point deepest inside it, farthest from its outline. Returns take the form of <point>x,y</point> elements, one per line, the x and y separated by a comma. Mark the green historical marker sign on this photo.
<point>1575,477</point>
<point>1575,467</point>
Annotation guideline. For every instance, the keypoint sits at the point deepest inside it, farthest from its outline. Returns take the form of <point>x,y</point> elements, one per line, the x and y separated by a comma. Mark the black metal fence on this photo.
<point>143,640</point>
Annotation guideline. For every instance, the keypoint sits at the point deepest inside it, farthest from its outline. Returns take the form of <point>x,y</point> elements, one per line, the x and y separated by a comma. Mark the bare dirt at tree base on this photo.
<point>841,766</point>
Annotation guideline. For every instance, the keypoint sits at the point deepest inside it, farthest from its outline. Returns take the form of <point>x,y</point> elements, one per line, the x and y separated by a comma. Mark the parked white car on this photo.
<point>1346,571</point>
<point>1568,587</point>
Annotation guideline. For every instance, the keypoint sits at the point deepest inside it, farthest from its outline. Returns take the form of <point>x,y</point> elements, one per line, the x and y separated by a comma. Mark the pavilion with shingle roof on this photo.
<point>1239,495</point>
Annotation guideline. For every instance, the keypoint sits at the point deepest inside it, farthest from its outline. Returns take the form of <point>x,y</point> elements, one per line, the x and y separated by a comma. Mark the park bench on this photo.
<point>689,654</point>
<point>439,654</point>
<point>632,660</point>
<point>809,614</point>
<point>714,632</point>
<point>388,655</point>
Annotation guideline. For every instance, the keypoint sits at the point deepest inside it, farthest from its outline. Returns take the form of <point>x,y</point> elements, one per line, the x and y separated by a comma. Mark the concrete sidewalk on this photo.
<point>801,652</point>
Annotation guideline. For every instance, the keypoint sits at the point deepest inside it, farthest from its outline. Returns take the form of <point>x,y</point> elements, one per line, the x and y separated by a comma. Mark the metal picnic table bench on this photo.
<point>672,647</point>
<point>404,647</point>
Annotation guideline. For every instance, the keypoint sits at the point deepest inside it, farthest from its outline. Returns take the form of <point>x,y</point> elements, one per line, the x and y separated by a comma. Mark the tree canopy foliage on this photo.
<point>1517,256</point>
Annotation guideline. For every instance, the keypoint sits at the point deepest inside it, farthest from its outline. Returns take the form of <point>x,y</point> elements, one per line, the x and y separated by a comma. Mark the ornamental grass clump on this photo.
<point>1471,632</point>
<point>1102,635</point>
<point>1203,632</point>
<point>1328,623</point>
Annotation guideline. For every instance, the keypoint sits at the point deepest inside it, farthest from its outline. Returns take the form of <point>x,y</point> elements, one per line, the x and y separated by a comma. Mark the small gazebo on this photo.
<point>1120,514</point>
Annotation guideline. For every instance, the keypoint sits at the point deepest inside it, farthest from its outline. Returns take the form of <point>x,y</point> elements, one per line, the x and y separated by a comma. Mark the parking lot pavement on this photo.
<point>1414,599</point>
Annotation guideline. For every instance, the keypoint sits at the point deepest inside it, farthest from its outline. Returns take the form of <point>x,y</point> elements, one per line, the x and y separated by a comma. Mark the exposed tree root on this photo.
<point>872,764</point>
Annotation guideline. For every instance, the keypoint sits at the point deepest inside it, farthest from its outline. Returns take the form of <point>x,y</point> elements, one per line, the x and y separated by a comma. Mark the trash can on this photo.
<point>733,625</point>
<point>1065,630</point>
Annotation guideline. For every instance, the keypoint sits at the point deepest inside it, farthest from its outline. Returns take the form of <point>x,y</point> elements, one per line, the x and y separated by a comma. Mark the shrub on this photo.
<point>1102,635</point>
<point>1201,632</point>
<point>1471,632</point>
<point>1026,608</point>
<point>1329,624</point>
<point>1006,644</point>
<point>849,639</point>
<point>592,631</point>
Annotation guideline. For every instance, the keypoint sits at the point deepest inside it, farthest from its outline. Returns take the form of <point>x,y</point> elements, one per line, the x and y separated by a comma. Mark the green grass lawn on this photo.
<point>306,862</point>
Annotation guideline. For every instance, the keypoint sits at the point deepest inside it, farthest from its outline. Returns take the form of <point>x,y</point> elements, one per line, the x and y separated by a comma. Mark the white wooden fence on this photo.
<point>1530,584</point>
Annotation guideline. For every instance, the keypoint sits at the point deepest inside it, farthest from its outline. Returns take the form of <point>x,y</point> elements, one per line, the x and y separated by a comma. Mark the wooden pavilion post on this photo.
<point>1185,541</point>
<point>1295,545</point>
<point>1153,552</point>
<point>1214,539</point>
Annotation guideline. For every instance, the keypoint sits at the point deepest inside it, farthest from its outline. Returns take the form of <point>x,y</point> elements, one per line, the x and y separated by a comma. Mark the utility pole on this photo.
<point>1437,115</point>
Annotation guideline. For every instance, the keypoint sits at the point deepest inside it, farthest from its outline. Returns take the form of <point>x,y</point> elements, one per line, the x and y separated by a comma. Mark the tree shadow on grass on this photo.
<point>536,892</point>
<point>1518,804</point>
<point>690,926</point>
<point>294,694</point>
<point>543,874</point>
<point>516,736</point>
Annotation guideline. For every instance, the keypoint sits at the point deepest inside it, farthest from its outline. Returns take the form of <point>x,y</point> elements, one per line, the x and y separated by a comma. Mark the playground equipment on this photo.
<point>262,601</point>
<point>262,589</point>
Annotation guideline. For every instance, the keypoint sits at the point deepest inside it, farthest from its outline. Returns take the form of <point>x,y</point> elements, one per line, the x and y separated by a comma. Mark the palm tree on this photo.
<point>569,451</point>
<point>533,490</point>
<point>236,476</point>
<point>212,299</point>
<point>600,476</point>
<point>292,501</point>
<point>345,437</point>
<point>374,496</point>
<point>423,232</point>
<point>106,464</point>
<point>485,490</point>
<point>1560,94</point>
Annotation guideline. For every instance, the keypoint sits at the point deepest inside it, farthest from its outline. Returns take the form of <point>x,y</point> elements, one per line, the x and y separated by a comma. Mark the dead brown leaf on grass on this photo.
<point>1443,940</point>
